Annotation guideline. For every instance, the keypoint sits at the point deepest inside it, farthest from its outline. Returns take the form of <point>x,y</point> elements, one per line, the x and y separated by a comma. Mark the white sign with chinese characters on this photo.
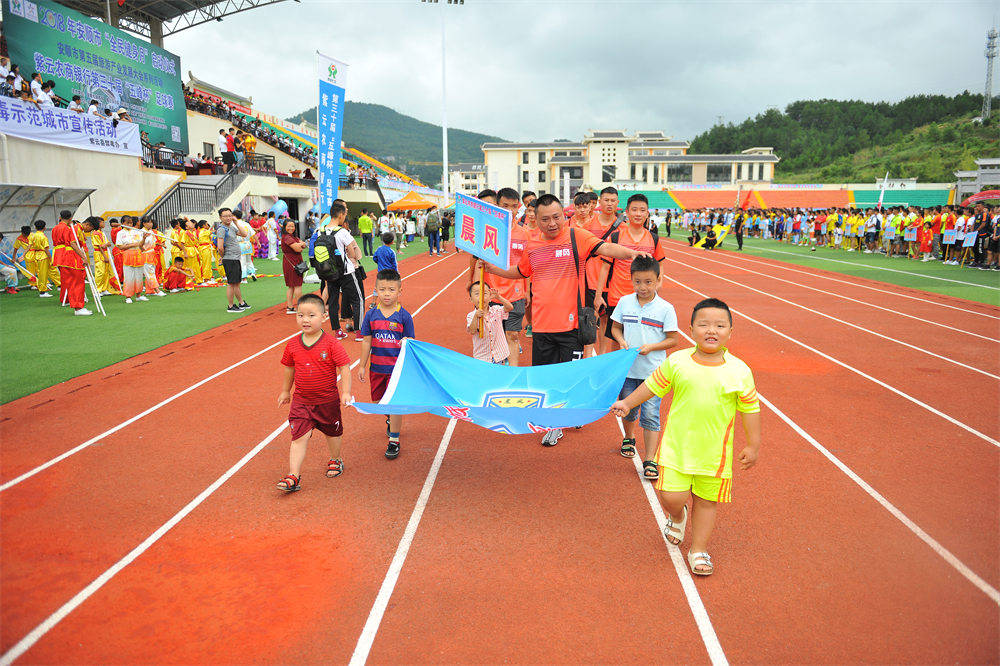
<point>68,128</point>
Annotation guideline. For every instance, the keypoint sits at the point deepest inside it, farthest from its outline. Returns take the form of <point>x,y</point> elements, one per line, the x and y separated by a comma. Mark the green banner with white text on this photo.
<point>89,58</point>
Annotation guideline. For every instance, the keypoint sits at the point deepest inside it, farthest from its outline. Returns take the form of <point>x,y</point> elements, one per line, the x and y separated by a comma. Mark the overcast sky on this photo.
<point>539,70</point>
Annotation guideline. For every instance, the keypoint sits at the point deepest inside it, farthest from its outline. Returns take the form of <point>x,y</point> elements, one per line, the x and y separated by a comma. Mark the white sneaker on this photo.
<point>82,312</point>
<point>159,293</point>
<point>552,437</point>
<point>141,298</point>
<point>45,294</point>
<point>174,291</point>
<point>128,300</point>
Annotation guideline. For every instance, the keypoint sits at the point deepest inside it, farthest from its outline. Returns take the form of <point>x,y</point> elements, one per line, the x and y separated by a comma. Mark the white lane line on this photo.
<point>35,634</point>
<point>367,638</point>
<point>51,621</point>
<point>861,373</point>
<point>879,268</point>
<point>841,321</point>
<point>704,623</point>
<point>943,552</point>
<point>846,298</point>
<point>828,276</point>
<point>124,424</point>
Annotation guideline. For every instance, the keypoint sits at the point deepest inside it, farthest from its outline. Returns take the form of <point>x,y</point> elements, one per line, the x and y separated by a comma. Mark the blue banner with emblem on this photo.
<point>512,400</point>
<point>330,122</point>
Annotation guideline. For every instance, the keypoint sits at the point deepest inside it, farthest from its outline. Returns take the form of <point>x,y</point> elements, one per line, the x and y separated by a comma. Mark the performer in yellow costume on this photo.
<point>104,271</point>
<point>190,253</point>
<point>39,261</point>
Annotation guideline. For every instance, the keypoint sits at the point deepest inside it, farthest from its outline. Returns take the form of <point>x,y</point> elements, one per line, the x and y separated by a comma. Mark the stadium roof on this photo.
<point>174,15</point>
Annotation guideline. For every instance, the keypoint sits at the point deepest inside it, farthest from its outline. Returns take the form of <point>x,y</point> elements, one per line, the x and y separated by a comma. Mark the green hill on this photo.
<point>403,142</point>
<point>924,136</point>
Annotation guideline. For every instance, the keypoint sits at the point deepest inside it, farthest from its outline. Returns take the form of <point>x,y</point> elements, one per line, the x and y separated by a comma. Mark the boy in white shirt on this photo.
<point>645,321</point>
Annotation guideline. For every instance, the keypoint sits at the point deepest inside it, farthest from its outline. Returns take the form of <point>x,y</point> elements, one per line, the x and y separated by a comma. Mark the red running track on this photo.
<point>523,553</point>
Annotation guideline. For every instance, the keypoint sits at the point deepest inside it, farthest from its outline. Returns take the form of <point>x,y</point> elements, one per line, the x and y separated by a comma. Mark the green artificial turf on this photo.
<point>934,276</point>
<point>42,344</point>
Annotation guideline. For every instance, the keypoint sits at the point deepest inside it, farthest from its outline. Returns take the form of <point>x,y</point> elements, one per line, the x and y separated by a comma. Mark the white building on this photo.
<point>985,177</point>
<point>467,177</point>
<point>644,160</point>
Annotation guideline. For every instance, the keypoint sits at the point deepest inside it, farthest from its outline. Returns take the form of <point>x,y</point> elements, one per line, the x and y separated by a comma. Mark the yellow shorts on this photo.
<point>709,488</point>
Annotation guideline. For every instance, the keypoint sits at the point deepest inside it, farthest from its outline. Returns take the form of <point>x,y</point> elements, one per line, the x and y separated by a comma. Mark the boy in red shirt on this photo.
<point>311,361</point>
<point>177,277</point>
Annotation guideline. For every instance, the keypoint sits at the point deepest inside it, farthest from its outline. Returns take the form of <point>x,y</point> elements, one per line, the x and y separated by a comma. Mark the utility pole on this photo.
<point>990,53</point>
<point>444,104</point>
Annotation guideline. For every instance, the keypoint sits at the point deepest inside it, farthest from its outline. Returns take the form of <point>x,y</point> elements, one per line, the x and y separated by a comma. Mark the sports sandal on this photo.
<point>628,448</point>
<point>650,470</point>
<point>289,484</point>
<point>700,560</point>
<point>674,533</point>
<point>334,468</point>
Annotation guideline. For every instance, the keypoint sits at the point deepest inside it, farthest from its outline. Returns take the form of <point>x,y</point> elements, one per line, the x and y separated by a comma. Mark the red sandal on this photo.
<point>289,484</point>
<point>334,468</point>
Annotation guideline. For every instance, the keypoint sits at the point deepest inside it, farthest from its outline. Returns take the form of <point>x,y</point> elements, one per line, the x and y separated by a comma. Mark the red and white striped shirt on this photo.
<point>493,347</point>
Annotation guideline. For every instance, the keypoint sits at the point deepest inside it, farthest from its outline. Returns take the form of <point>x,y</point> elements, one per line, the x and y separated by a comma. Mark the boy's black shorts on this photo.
<point>550,348</point>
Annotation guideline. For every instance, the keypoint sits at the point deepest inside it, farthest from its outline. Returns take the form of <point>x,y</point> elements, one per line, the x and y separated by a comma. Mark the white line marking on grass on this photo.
<point>38,632</point>
<point>124,424</point>
<point>895,390</point>
<point>701,618</point>
<point>846,298</point>
<point>367,638</point>
<point>841,321</point>
<point>785,266</point>
<point>880,268</point>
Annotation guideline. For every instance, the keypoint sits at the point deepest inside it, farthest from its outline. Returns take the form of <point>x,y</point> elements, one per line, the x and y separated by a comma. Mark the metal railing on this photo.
<point>162,158</point>
<point>187,197</point>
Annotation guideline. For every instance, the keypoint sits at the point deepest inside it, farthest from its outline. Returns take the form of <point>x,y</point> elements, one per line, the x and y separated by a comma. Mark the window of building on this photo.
<point>541,176</point>
<point>760,171</point>
<point>719,173</point>
<point>678,173</point>
<point>661,152</point>
<point>574,172</point>
<point>632,173</point>
<point>576,153</point>
<point>208,149</point>
<point>524,158</point>
<point>656,173</point>
<point>739,171</point>
<point>560,153</point>
<point>645,172</point>
<point>674,152</point>
<point>607,173</point>
<point>541,157</point>
<point>524,176</point>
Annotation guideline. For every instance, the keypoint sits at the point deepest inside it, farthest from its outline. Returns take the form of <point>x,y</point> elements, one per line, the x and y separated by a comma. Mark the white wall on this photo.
<point>121,182</point>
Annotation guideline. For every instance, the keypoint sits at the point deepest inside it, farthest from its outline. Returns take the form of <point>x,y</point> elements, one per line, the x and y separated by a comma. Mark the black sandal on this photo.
<point>650,470</point>
<point>392,450</point>
<point>628,448</point>
<point>289,484</point>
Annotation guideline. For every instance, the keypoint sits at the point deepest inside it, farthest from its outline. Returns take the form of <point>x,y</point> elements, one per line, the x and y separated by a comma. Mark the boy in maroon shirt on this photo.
<point>311,361</point>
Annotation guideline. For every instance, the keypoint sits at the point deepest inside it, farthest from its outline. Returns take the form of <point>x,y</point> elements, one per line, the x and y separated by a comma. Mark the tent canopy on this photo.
<point>412,201</point>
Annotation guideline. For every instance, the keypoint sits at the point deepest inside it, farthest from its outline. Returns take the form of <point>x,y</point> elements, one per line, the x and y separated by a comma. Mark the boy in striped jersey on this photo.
<point>384,328</point>
<point>696,453</point>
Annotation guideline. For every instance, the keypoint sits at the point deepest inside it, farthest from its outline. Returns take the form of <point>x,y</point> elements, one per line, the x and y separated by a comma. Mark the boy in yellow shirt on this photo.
<point>696,453</point>
<point>39,261</point>
<point>21,247</point>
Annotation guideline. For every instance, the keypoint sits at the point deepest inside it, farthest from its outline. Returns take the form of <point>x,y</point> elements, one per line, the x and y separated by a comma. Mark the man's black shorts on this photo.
<point>516,316</point>
<point>549,348</point>
<point>229,157</point>
<point>234,272</point>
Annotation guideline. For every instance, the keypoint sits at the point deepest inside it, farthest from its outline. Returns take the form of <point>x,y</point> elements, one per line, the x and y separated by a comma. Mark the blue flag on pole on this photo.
<point>513,400</point>
<point>330,122</point>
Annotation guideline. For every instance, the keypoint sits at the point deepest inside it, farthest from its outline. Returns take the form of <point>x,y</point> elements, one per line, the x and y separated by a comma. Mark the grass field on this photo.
<point>43,344</point>
<point>969,283</point>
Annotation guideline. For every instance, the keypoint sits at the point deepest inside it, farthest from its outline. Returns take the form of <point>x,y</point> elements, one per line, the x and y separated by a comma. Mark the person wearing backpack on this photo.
<point>433,228</point>
<point>336,258</point>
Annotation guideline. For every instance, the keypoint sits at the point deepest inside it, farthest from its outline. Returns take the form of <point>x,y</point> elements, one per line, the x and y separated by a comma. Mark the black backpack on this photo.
<point>328,260</point>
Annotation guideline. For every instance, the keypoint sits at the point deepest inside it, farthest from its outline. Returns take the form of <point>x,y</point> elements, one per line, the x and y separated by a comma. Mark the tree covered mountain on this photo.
<point>835,140</point>
<point>404,142</point>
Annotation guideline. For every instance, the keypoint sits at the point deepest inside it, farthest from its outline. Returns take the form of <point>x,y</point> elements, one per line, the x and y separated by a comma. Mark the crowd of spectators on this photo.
<point>251,126</point>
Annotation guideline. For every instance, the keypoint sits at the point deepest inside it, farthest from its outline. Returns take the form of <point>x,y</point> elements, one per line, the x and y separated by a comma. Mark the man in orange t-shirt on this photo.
<point>635,236</point>
<point>556,284</point>
<point>601,225</point>
<point>70,256</point>
<point>513,290</point>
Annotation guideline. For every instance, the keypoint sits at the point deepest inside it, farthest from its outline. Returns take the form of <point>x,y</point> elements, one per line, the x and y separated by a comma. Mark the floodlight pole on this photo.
<point>444,112</point>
